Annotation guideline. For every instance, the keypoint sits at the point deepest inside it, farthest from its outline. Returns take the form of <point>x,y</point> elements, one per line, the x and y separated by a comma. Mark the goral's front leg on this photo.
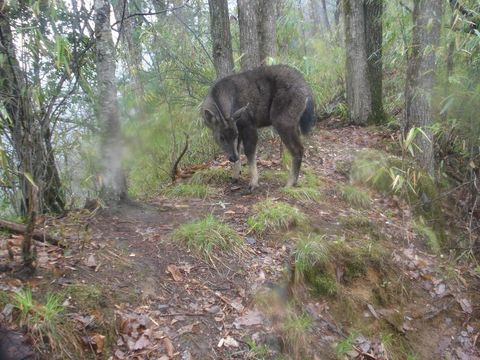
<point>236,170</point>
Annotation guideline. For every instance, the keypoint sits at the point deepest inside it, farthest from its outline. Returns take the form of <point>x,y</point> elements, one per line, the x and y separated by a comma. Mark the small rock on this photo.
<point>250,240</point>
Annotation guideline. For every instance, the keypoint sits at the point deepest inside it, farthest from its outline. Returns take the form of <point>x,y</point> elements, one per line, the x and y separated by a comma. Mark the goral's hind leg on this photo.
<point>250,138</point>
<point>237,165</point>
<point>290,135</point>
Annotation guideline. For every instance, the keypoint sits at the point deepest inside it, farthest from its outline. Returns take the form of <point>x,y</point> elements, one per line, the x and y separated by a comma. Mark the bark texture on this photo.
<point>221,37</point>
<point>267,29</point>
<point>427,16</point>
<point>247,22</point>
<point>30,135</point>
<point>359,97</point>
<point>112,177</point>
<point>373,35</point>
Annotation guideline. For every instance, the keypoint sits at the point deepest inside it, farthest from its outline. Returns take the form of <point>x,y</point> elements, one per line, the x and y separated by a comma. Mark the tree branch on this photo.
<point>147,14</point>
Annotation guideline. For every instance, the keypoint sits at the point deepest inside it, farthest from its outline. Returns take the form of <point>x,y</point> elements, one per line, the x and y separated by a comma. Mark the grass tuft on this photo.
<point>312,257</point>
<point>215,176</point>
<point>199,191</point>
<point>274,216</point>
<point>302,193</point>
<point>45,322</point>
<point>208,236</point>
<point>275,176</point>
<point>354,196</point>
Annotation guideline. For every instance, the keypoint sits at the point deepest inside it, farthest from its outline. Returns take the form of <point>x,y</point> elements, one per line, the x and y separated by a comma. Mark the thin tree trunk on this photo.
<point>247,22</point>
<point>427,16</point>
<point>221,37</point>
<point>267,29</point>
<point>359,96</point>
<point>112,177</point>
<point>373,35</point>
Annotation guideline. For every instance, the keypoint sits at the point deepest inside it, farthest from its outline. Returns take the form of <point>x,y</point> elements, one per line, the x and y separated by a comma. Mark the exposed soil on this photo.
<point>159,301</point>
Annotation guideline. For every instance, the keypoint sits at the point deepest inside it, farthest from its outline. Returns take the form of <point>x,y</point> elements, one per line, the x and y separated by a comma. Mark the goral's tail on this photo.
<point>308,119</point>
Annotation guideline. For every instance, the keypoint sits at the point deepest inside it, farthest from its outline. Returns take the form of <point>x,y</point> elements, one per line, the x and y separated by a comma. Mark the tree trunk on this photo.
<point>373,36</point>
<point>128,32</point>
<point>112,177</point>
<point>247,22</point>
<point>359,96</point>
<point>325,15</point>
<point>427,15</point>
<point>338,10</point>
<point>30,138</point>
<point>267,29</point>
<point>319,14</point>
<point>221,37</point>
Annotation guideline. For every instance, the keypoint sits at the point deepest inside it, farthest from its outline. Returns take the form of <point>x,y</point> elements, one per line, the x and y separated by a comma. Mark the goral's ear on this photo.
<point>209,118</point>
<point>237,114</point>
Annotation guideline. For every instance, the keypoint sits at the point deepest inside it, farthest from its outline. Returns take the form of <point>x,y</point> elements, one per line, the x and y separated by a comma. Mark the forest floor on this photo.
<point>130,290</point>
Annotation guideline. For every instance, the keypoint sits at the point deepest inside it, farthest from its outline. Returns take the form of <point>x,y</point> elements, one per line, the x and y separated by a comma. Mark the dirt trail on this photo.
<point>164,302</point>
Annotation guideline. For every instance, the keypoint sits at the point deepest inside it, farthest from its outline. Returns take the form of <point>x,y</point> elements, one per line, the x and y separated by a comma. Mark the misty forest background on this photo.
<point>97,98</point>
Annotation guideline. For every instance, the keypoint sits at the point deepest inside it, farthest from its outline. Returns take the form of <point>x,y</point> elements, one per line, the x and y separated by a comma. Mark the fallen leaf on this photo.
<point>175,272</point>
<point>99,341</point>
<point>187,328</point>
<point>120,354</point>
<point>141,343</point>
<point>251,318</point>
<point>372,310</point>
<point>228,342</point>
<point>91,262</point>
<point>465,305</point>
<point>169,347</point>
